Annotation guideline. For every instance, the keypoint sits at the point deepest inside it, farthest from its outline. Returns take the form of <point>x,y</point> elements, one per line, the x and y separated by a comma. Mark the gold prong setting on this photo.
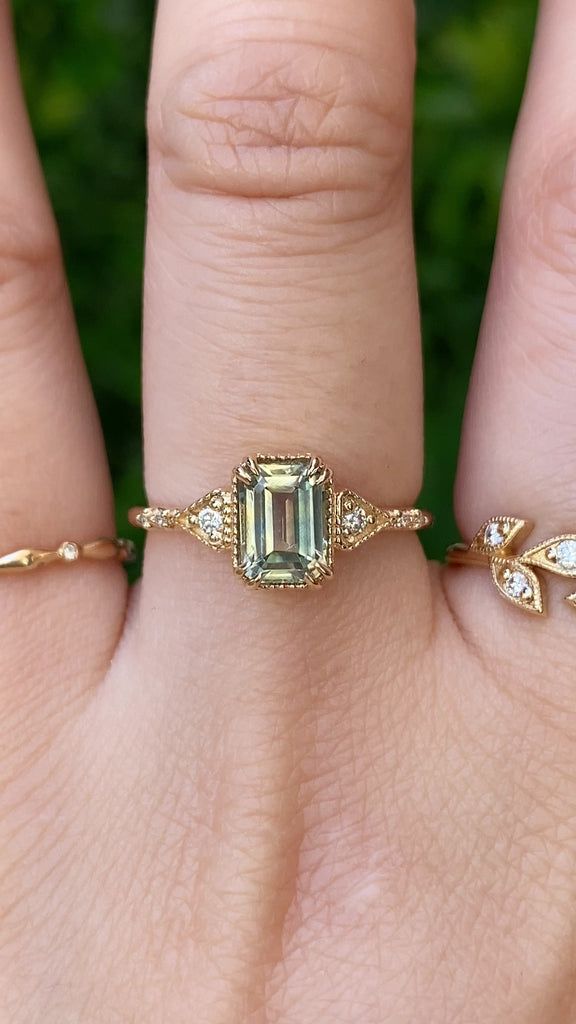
<point>210,519</point>
<point>499,533</point>
<point>282,520</point>
<point>561,556</point>
<point>518,584</point>
<point>356,520</point>
<point>282,515</point>
<point>69,551</point>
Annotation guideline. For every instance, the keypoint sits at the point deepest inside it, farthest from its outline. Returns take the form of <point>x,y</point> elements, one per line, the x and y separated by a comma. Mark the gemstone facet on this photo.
<point>564,554</point>
<point>495,535</point>
<point>283,521</point>
<point>517,585</point>
<point>69,551</point>
<point>355,520</point>
<point>211,522</point>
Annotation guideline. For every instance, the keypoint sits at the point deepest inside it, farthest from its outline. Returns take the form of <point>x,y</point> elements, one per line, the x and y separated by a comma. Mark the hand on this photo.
<point>358,805</point>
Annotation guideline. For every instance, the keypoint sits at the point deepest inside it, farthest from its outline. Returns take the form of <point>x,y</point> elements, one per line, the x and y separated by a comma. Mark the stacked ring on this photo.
<point>515,574</point>
<point>68,553</point>
<point>282,520</point>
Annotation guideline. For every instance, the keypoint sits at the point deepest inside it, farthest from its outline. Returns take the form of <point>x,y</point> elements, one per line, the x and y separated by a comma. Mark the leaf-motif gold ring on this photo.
<point>515,574</point>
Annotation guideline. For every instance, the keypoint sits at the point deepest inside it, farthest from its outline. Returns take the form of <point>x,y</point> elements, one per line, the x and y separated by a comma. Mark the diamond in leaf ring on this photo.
<point>517,575</point>
<point>282,520</point>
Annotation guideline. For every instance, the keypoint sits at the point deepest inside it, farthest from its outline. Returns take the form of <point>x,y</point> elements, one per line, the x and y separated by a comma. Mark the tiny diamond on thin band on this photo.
<point>68,553</point>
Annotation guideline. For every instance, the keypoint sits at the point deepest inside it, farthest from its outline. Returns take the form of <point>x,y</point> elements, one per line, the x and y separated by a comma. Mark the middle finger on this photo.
<point>281,308</point>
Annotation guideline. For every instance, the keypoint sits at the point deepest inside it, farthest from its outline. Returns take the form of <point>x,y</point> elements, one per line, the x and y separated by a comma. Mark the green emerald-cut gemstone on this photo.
<point>283,535</point>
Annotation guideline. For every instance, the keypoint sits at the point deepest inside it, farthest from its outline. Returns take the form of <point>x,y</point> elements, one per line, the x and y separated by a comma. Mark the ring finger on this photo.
<point>519,440</point>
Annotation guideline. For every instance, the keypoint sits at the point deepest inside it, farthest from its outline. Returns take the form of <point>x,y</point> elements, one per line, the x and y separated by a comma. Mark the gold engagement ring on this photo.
<point>282,520</point>
<point>516,574</point>
<point>68,553</point>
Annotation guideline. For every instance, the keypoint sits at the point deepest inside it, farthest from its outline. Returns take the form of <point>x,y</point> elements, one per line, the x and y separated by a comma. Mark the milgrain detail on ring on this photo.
<point>208,519</point>
<point>357,520</point>
<point>282,520</point>
<point>499,533</point>
<point>514,573</point>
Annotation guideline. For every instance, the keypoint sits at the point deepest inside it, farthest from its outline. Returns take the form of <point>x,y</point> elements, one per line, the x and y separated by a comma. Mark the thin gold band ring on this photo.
<point>68,553</point>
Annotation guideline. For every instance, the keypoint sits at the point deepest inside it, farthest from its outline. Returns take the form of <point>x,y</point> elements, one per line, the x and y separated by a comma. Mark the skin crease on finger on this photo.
<point>51,453</point>
<point>342,811</point>
<point>280,245</point>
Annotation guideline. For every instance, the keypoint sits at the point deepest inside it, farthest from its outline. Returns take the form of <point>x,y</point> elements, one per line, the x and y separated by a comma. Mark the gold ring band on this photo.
<point>514,573</point>
<point>68,553</point>
<point>282,520</point>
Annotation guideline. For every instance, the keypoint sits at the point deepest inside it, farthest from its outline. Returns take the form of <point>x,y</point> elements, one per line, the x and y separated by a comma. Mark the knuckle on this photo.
<point>283,119</point>
<point>30,264</point>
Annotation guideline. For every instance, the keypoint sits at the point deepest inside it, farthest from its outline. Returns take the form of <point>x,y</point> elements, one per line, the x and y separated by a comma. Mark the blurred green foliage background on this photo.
<point>85,65</point>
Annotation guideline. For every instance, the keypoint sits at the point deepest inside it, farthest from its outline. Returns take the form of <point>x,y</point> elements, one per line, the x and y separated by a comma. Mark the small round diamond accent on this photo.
<point>564,554</point>
<point>211,522</point>
<point>495,535</point>
<point>405,520</point>
<point>159,518</point>
<point>354,521</point>
<point>69,551</point>
<point>518,586</point>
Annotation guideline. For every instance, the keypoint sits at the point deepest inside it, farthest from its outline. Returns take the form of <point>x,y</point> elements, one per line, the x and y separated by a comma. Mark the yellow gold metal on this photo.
<point>349,504</point>
<point>219,519</point>
<point>515,574</point>
<point>68,553</point>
